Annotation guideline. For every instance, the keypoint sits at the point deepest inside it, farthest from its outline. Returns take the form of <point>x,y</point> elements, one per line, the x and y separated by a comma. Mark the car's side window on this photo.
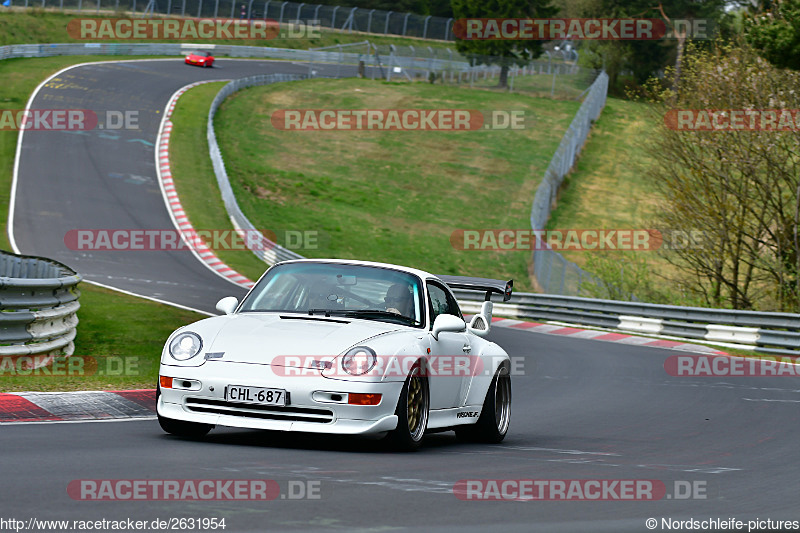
<point>452,305</point>
<point>440,301</point>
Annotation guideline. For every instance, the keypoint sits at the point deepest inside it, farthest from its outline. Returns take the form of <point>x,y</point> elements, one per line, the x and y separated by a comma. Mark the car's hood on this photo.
<point>260,338</point>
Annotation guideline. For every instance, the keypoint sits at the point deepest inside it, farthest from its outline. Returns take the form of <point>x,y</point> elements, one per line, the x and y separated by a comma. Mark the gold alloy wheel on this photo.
<point>415,403</point>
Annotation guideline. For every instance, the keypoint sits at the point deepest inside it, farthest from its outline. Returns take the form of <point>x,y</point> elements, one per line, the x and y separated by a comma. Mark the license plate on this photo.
<point>259,395</point>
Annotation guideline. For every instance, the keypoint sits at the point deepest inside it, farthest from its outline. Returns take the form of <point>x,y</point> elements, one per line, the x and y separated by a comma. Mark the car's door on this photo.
<point>445,382</point>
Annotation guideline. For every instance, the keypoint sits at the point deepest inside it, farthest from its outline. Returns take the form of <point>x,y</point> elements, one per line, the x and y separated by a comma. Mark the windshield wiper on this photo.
<point>380,313</point>
<point>328,312</point>
<point>364,313</point>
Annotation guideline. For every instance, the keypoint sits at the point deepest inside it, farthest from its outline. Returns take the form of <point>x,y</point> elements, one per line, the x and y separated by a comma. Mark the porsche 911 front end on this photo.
<point>289,399</point>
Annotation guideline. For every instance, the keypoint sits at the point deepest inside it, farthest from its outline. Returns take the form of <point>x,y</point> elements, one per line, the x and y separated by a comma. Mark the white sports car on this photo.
<point>341,347</point>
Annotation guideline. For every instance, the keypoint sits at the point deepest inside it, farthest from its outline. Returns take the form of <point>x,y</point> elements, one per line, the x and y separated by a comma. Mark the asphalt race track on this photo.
<point>106,179</point>
<point>582,409</point>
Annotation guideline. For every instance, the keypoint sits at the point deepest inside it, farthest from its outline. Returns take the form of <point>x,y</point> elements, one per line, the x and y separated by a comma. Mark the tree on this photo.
<point>740,190</point>
<point>498,51</point>
<point>645,58</point>
<point>775,32</point>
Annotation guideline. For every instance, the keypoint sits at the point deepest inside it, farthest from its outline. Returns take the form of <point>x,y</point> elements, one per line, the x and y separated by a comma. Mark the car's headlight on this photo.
<point>185,346</point>
<point>359,360</point>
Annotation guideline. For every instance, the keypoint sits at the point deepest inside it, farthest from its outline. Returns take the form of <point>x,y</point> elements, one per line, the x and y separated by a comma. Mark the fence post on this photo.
<point>391,62</point>
<point>447,29</point>
<point>405,23</point>
<point>266,8</point>
<point>351,17</point>
<point>216,9</point>
<point>283,6</point>
<point>425,27</point>
<point>369,21</point>
<point>199,8</point>
<point>298,10</point>
<point>386,27</point>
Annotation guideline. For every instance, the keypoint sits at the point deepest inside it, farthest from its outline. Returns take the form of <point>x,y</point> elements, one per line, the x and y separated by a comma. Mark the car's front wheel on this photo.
<point>179,427</point>
<point>493,423</point>
<point>412,412</point>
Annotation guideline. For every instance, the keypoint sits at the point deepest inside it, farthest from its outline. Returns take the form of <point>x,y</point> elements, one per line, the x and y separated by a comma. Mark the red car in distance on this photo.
<point>201,58</point>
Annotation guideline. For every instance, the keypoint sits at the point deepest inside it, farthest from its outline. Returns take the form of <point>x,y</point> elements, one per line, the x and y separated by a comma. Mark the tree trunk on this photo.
<point>678,60</point>
<point>503,83</point>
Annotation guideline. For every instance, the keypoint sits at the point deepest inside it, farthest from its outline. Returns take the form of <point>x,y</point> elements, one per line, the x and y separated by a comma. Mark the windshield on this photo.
<point>366,292</point>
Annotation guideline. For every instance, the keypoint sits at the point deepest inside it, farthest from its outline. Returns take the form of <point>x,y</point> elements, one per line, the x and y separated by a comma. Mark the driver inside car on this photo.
<point>322,296</point>
<point>399,300</point>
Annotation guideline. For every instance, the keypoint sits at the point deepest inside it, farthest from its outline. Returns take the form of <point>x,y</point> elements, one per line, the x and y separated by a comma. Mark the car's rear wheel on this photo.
<point>412,412</point>
<point>495,418</point>
<point>180,428</point>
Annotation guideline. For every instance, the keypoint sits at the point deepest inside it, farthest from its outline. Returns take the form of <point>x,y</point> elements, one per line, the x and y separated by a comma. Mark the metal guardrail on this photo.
<point>38,306</point>
<point>265,249</point>
<point>769,333</point>
<point>154,49</point>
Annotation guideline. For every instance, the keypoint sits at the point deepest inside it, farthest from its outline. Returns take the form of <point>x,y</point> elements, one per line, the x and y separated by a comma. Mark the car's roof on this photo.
<point>421,273</point>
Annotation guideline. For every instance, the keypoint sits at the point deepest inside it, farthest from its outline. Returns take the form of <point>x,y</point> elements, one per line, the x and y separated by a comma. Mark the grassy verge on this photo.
<point>194,178</point>
<point>393,196</point>
<point>40,26</point>
<point>608,189</point>
<point>111,323</point>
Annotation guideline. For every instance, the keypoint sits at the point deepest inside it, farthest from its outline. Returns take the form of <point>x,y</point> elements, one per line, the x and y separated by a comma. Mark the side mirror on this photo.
<point>447,322</point>
<point>227,305</point>
<point>482,322</point>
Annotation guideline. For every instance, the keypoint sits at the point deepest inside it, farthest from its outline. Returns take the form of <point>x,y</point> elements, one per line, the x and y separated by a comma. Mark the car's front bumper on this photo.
<point>204,401</point>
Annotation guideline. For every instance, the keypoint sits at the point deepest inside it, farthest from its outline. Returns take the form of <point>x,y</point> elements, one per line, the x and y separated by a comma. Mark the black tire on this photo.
<point>492,426</point>
<point>412,412</point>
<point>180,428</point>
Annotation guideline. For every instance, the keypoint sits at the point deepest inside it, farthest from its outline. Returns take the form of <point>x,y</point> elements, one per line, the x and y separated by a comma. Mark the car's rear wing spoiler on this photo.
<point>480,284</point>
